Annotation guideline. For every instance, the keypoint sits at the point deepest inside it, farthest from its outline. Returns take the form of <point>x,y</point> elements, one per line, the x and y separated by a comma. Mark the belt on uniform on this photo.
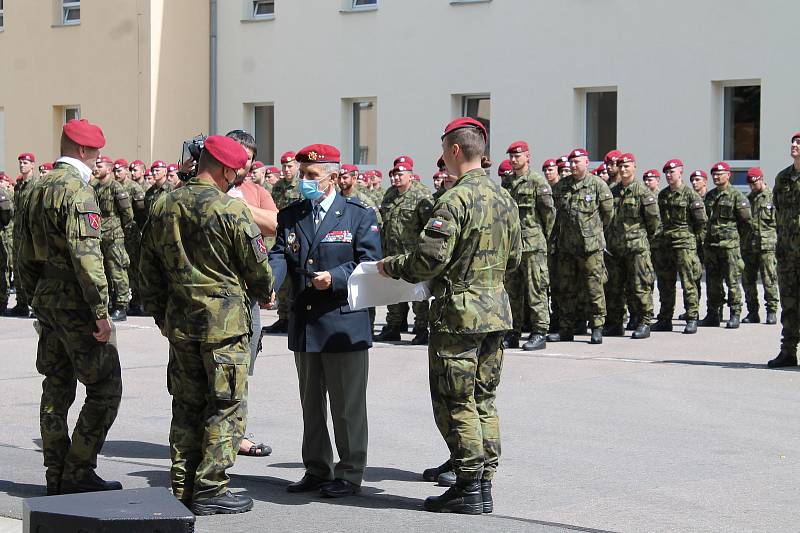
<point>52,272</point>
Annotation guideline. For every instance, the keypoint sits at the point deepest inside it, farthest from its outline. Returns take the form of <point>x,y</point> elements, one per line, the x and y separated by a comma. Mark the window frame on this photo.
<point>349,6</point>
<point>2,16</point>
<point>66,7</point>
<point>254,7</point>
<point>737,164</point>
<point>465,99</point>
<point>350,129</point>
<point>68,108</point>
<point>583,94</point>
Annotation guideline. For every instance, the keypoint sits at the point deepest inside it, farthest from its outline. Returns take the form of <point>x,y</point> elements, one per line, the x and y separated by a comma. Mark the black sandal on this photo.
<point>256,450</point>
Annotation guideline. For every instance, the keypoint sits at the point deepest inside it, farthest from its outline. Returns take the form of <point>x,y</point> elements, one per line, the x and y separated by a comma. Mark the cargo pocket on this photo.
<point>230,374</point>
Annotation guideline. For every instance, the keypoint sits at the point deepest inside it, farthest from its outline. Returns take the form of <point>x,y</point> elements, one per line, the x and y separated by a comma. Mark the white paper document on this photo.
<point>367,288</point>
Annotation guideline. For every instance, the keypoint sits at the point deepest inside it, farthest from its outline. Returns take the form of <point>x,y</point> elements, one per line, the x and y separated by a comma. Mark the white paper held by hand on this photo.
<point>367,288</point>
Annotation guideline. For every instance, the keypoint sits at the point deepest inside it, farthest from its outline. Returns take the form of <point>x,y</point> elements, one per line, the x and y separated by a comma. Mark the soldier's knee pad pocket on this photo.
<point>230,374</point>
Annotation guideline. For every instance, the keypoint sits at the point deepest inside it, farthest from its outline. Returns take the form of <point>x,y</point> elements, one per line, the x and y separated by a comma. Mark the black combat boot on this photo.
<point>388,333</point>
<point>279,326</point>
<point>613,330</point>
<point>633,322</point>
<point>733,321</point>
<point>710,321</point>
<point>536,341</point>
<point>89,482</point>
<point>642,332</point>
<point>421,338</point>
<point>662,324</point>
<point>683,316</point>
<point>431,474</point>
<point>597,336</point>
<point>751,318</point>
<point>228,503</point>
<point>118,315</point>
<point>486,496</point>
<point>464,498</point>
<point>580,327</point>
<point>446,479</point>
<point>563,335</point>
<point>772,318</point>
<point>19,310</point>
<point>511,340</point>
<point>691,327</point>
<point>783,359</point>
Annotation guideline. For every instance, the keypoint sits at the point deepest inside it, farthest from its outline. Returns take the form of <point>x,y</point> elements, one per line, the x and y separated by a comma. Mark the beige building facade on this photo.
<point>701,81</point>
<point>138,68</point>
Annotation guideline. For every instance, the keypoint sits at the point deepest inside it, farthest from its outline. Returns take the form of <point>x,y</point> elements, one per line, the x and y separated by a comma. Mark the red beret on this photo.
<point>85,133</point>
<point>120,163</point>
<point>173,167</point>
<point>465,122</point>
<point>600,168</point>
<point>273,170</point>
<point>346,169</point>
<point>578,152</point>
<point>46,166</point>
<point>105,159</point>
<point>626,158</point>
<point>158,164</point>
<point>720,166</point>
<point>505,168</point>
<point>699,173</point>
<point>405,160</point>
<point>672,163</point>
<point>257,165</point>
<point>287,157</point>
<point>613,155</point>
<point>401,168</point>
<point>227,151</point>
<point>440,174</point>
<point>754,174</point>
<point>378,173</point>
<point>652,173</point>
<point>795,136</point>
<point>518,147</point>
<point>318,153</point>
<point>415,177</point>
<point>148,172</point>
<point>136,162</point>
<point>27,156</point>
<point>562,162</point>
<point>549,163</point>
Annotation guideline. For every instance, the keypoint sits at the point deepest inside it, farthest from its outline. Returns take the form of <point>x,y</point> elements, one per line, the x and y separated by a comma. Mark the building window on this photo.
<point>364,131</point>
<point>358,4</point>
<point>71,11</point>
<point>600,122</point>
<point>480,108</point>
<point>2,17</point>
<point>741,111</point>
<point>71,112</point>
<point>264,132</point>
<point>263,8</point>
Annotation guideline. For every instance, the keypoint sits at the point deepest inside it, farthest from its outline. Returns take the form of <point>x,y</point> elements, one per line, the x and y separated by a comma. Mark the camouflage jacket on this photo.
<point>683,218</point>
<point>286,192</point>
<point>202,257</point>
<point>636,218</point>
<point>585,208</point>
<point>116,209</point>
<point>136,194</point>
<point>20,191</point>
<point>60,260</point>
<point>786,197</point>
<point>760,234</point>
<point>471,239</point>
<point>6,209</point>
<point>154,193</point>
<point>365,198</point>
<point>378,195</point>
<point>728,213</point>
<point>404,215</point>
<point>537,212</point>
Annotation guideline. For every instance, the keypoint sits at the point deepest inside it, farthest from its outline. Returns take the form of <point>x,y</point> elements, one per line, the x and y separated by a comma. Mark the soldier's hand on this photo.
<point>382,270</point>
<point>272,300</point>
<point>322,281</point>
<point>102,330</point>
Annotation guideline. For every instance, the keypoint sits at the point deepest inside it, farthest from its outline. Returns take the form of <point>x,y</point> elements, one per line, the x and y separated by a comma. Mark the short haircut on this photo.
<point>470,140</point>
<point>208,162</point>
<point>245,139</point>
<point>330,168</point>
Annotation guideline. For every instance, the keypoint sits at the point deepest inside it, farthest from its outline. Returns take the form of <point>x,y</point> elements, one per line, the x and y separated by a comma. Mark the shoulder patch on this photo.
<point>257,242</point>
<point>88,219</point>
<point>355,201</point>
<point>439,225</point>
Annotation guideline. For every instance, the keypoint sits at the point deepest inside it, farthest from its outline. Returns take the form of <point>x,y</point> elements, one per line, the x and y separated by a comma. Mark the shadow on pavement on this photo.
<point>287,465</point>
<point>133,449</point>
<point>380,473</point>
<point>22,490</point>
<point>155,478</point>
<point>726,364</point>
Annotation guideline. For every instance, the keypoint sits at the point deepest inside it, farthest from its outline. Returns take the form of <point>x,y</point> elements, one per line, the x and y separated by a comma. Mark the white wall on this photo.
<point>3,143</point>
<point>530,56</point>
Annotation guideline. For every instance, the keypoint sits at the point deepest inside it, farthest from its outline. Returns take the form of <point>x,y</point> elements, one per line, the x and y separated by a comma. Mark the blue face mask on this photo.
<point>309,189</point>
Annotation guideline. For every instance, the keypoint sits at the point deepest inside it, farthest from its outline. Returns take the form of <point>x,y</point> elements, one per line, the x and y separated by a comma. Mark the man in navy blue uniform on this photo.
<point>319,241</point>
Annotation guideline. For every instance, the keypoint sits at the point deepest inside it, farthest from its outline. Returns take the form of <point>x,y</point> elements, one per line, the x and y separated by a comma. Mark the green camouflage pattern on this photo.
<point>758,252</point>
<point>60,261</point>
<point>528,287</point>
<point>20,192</point>
<point>683,264</point>
<point>6,218</point>
<point>133,236</point>
<point>116,213</point>
<point>469,242</point>
<point>365,198</point>
<point>537,212</point>
<point>786,198</point>
<point>683,218</point>
<point>154,193</point>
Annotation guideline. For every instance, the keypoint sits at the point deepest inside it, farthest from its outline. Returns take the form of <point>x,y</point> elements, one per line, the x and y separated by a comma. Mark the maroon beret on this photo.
<point>273,170</point>
<point>600,168</point>
<point>562,162</point>
<point>652,173</point>
<point>135,163</point>
<point>404,160</point>
<point>754,174</point>
<point>795,136</point>
<point>120,163</point>
<point>173,167</point>
<point>699,173</point>
<point>257,165</point>
<point>613,155</point>
<point>518,147</point>
<point>549,163</point>
<point>578,152</point>
<point>347,168</point>
<point>287,157</point>
<point>672,163</point>
<point>105,159</point>
<point>318,153</point>
<point>46,166</point>
<point>378,173</point>
<point>465,122</point>
<point>720,166</point>
<point>158,164</point>
<point>505,168</point>
<point>84,133</point>
<point>27,156</point>
<point>626,158</point>
<point>227,151</point>
<point>401,168</point>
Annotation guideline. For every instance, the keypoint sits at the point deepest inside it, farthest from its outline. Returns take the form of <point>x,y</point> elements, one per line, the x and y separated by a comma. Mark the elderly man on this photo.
<point>319,242</point>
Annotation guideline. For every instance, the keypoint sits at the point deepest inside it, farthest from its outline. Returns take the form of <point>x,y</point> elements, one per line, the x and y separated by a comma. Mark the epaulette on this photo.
<point>355,201</point>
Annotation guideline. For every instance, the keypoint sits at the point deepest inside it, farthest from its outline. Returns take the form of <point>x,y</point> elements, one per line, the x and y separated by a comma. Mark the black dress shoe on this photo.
<point>339,488</point>
<point>580,327</point>
<point>464,498</point>
<point>446,479</point>
<point>597,336</point>
<point>662,325</point>
<point>511,340</point>
<point>307,483</point>
<point>536,341</point>
<point>387,334</point>
<point>421,338</point>
<point>710,321</point>
<point>279,326</point>
<point>642,332</point>
<point>772,318</point>
<point>486,496</point>
<point>227,503</point>
<point>613,330</point>
<point>751,318</point>
<point>561,336</point>
<point>733,322</point>
<point>783,359</point>
<point>118,315</point>
<point>91,482</point>
<point>431,474</point>
<point>691,327</point>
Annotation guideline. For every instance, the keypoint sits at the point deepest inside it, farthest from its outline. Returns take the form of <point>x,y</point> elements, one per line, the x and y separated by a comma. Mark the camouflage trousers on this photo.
<point>789,285</point>
<point>527,288</point>
<point>397,315</point>
<point>208,384</point>
<point>68,353</point>
<point>116,263</point>
<point>763,263</point>
<point>3,276</point>
<point>21,296</point>
<point>723,265</point>
<point>581,278</point>
<point>631,279</point>
<point>673,264</point>
<point>284,297</point>
<point>464,373</point>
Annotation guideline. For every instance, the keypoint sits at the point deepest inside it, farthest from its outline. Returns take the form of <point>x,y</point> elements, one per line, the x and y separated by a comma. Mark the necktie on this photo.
<point>317,212</point>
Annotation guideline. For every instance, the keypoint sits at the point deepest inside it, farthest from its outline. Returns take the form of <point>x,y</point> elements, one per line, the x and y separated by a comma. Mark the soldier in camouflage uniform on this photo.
<point>202,255</point>
<point>586,208</point>
<point>630,267</point>
<point>527,286</point>
<point>6,216</point>
<point>132,231</point>
<point>786,198</point>
<point>405,210</point>
<point>61,266</point>
<point>728,214</point>
<point>469,243</point>
<point>285,193</point>
<point>160,185</point>
<point>376,176</point>
<point>25,180</point>
<point>758,251</point>
<point>116,213</point>
<point>683,225</point>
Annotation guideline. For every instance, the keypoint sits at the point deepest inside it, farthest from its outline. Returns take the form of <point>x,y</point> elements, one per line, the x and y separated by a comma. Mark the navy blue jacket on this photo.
<point>321,321</point>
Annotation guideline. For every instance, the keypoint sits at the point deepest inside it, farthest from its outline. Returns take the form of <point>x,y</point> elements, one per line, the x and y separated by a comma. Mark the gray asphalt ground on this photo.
<point>674,433</point>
